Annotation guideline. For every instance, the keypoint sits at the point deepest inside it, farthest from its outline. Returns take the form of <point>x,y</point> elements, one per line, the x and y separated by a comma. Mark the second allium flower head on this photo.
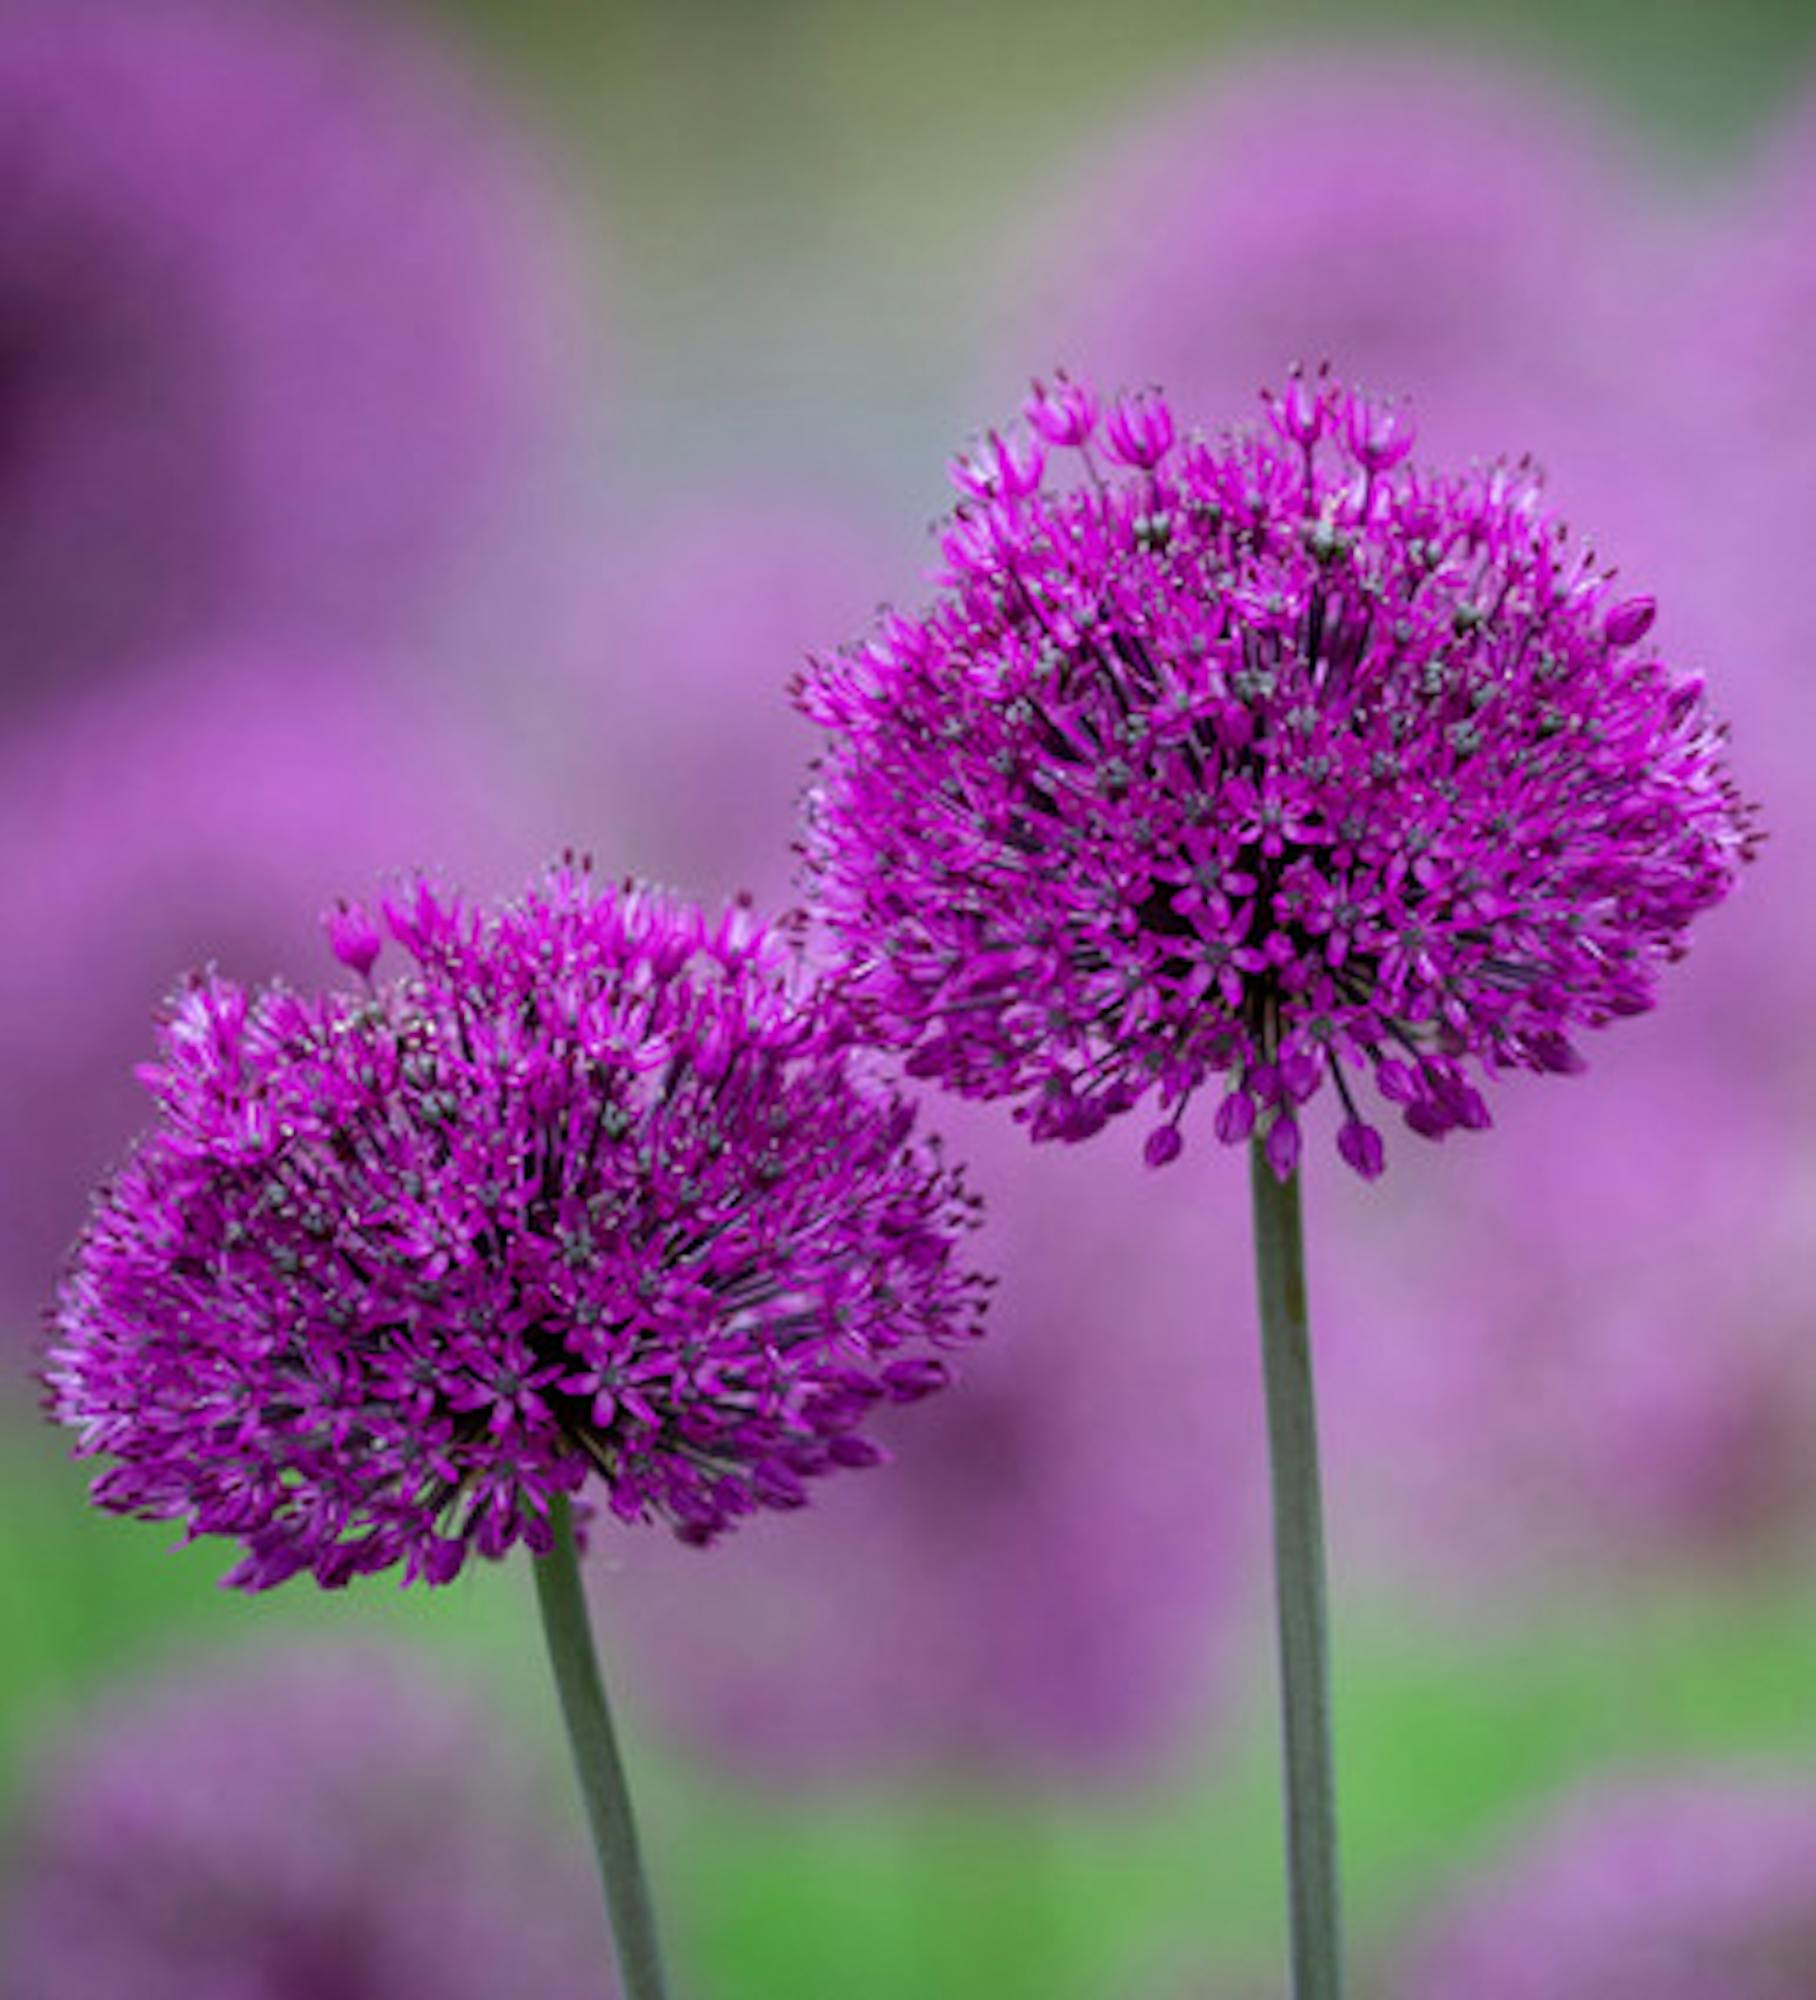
<point>592,1187</point>
<point>1276,759</point>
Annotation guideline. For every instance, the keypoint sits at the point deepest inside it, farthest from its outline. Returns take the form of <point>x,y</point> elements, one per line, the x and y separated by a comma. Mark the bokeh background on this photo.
<point>433,435</point>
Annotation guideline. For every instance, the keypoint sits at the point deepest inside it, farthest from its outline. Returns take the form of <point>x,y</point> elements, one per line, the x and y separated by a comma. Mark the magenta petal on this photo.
<point>1235,1118</point>
<point>1428,1118</point>
<point>1361,1148</point>
<point>352,936</point>
<point>1395,1081</point>
<point>1283,1145</point>
<point>1630,620</point>
<point>1300,1073</point>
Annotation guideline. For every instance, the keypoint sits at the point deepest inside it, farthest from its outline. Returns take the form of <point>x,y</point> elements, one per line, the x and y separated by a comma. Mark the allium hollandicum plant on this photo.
<point>589,1191</point>
<point>593,1193</point>
<point>1258,765</point>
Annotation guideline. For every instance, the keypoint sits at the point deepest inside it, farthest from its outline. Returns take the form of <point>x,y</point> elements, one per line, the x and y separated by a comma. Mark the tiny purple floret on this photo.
<point>353,937</point>
<point>1065,413</point>
<point>1235,1118</point>
<point>1361,1148</point>
<point>591,1189</point>
<point>1264,761</point>
<point>1629,621</point>
<point>1282,1146</point>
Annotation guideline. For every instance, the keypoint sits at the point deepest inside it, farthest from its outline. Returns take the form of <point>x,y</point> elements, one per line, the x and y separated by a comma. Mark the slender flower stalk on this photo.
<point>1292,1430</point>
<point>1270,765</point>
<point>598,1764</point>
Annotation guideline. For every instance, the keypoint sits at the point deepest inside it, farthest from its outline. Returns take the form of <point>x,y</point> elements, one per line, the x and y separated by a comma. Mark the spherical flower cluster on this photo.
<point>1276,759</point>
<point>1692,1888</point>
<point>284,319</point>
<point>336,1822</point>
<point>593,1186</point>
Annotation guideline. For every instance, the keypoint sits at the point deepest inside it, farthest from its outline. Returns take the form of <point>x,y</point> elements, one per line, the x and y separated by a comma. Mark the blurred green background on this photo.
<point>1443,1739</point>
<point>806,205</point>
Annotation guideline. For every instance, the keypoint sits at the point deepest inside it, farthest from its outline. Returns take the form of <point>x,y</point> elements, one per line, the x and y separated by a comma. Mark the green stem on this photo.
<point>1292,1434</point>
<point>597,1764</point>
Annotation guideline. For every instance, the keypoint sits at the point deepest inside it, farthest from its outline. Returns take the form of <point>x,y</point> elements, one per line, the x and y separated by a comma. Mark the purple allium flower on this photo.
<point>334,1822</point>
<point>206,806</point>
<point>1044,1588</point>
<point>1684,1888</point>
<point>283,316</point>
<point>589,1187</point>
<point>1279,761</point>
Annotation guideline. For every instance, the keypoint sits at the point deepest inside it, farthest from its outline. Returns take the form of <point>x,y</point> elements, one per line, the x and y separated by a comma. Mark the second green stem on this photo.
<point>1292,1431</point>
<point>597,1762</point>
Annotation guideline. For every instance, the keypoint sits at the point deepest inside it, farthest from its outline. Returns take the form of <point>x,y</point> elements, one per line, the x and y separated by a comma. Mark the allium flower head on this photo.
<point>1261,763</point>
<point>1693,1888</point>
<point>338,1823</point>
<point>591,1186</point>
